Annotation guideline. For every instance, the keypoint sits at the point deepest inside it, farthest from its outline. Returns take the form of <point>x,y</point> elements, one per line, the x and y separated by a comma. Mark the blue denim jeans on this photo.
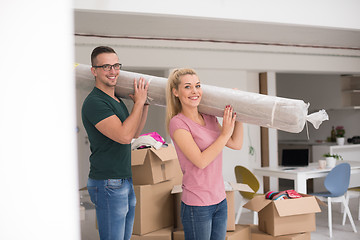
<point>115,202</point>
<point>204,222</point>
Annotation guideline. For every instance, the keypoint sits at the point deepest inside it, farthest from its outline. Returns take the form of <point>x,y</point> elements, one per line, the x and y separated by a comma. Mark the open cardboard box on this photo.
<point>230,198</point>
<point>289,216</point>
<point>151,166</point>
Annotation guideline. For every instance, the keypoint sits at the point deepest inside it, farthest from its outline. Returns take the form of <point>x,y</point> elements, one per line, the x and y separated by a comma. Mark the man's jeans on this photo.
<point>115,202</point>
<point>204,222</point>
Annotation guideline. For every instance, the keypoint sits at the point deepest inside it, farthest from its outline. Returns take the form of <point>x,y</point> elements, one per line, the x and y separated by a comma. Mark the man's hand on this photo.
<point>140,91</point>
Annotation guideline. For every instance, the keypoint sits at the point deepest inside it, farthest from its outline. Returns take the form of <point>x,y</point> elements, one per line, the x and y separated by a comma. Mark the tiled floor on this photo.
<point>89,232</point>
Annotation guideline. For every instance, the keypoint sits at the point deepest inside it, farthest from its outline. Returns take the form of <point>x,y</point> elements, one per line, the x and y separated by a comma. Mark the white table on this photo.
<point>301,174</point>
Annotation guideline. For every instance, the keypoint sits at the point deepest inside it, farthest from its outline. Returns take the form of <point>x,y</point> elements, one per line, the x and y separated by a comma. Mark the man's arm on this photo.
<point>124,132</point>
<point>121,132</point>
<point>143,120</point>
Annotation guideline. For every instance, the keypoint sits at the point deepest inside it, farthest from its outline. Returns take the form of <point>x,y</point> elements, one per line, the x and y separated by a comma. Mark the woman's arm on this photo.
<point>187,145</point>
<point>236,140</point>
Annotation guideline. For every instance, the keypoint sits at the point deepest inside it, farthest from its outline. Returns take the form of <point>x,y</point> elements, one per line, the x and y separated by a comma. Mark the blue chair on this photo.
<point>336,184</point>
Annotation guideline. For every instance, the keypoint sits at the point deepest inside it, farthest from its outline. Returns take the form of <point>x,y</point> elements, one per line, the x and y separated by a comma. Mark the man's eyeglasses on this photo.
<point>107,67</point>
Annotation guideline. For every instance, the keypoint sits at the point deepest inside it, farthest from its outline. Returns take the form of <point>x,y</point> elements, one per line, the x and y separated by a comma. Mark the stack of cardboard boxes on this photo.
<point>155,172</point>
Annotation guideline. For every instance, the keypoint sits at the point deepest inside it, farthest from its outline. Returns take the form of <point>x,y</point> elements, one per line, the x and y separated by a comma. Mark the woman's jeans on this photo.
<point>204,222</point>
<point>115,202</point>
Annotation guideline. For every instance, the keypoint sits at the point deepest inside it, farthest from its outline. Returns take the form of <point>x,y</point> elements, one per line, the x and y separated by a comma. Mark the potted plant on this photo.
<point>331,159</point>
<point>340,135</point>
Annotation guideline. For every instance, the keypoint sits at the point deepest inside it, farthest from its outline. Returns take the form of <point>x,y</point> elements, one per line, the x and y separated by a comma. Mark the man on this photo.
<point>110,129</point>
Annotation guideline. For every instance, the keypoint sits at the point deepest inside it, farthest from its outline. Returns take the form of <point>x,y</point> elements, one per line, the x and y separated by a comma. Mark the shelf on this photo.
<point>344,108</point>
<point>346,146</point>
<point>351,91</point>
<point>350,86</point>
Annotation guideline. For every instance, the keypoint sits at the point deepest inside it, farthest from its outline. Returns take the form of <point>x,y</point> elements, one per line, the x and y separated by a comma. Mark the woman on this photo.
<point>199,140</point>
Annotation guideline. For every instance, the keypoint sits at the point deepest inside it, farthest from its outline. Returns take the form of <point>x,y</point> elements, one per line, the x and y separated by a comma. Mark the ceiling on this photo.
<point>178,27</point>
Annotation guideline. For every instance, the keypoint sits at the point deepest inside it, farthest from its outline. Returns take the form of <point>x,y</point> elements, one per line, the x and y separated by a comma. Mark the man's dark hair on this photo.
<point>99,50</point>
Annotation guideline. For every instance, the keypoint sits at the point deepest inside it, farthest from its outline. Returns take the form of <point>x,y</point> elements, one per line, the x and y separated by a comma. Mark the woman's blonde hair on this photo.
<point>173,104</point>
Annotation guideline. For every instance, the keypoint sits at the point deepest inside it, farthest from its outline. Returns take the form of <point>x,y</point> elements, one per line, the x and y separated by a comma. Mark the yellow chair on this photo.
<point>351,193</point>
<point>245,176</point>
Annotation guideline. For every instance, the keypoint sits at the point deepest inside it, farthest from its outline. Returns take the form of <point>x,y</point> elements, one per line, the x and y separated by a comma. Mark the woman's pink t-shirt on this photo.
<point>201,187</point>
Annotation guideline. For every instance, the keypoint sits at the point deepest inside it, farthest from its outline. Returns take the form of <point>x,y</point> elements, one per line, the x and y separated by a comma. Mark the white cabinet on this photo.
<point>350,91</point>
<point>350,152</point>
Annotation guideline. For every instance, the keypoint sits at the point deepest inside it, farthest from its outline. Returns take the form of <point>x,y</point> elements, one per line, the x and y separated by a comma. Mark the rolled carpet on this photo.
<point>285,114</point>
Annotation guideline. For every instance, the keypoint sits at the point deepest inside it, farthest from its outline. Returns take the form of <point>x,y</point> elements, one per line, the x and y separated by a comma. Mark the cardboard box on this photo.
<point>162,234</point>
<point>241,232</point>
<point>289,216</point>
<point>154,208</point>
<point>230,198</point>
<point>256,234</point>
<point>151,166</point>
<point>176,193</point>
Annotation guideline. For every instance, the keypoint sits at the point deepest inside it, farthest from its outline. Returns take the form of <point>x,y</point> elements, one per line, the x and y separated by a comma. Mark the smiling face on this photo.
<point>189,91</point>
<point>105,78</point>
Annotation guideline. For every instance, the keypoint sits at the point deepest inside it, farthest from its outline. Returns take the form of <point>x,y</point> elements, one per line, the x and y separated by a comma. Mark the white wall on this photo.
<point>38,164</point>
<point>273,134</point>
